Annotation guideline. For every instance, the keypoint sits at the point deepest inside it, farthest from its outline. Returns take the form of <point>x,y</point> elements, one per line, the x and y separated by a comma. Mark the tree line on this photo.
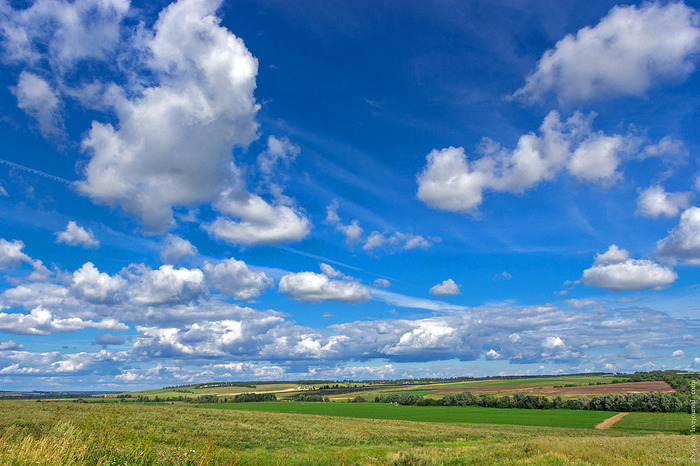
<point>631,402</point>
<point>240,398</point>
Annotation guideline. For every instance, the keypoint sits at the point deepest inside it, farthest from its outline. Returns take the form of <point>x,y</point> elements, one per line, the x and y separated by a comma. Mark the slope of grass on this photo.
<point>114,434</point>
<point>458,414</point>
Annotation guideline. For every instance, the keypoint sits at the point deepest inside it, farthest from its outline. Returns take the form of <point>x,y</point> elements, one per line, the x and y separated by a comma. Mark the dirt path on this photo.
<point>608,423</point>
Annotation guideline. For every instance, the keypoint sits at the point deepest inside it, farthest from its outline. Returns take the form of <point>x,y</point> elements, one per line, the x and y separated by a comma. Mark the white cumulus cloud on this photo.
<point>165,285</point>
<point>75,235</point>
<point>683,242</point>
<point>95,286</point>
<point>614,270</point>
<point>172,145</point>
<point>175,249</point>
<point>11,254</point>
<point>259,222</point>
<point>315,287</point>
<point>446,288</point>
<point>628,52</point>
<point>451,181</point>
<point>234,278</point>
<point>36,97</point>
<point>654,202</point>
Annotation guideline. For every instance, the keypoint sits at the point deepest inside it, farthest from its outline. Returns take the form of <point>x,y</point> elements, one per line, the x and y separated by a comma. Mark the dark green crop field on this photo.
<point>658,422</point>
<point>457,414</point>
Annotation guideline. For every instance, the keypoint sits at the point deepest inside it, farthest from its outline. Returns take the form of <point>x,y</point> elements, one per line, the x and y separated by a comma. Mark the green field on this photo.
<point>663,422</point>
<point>458,414</point>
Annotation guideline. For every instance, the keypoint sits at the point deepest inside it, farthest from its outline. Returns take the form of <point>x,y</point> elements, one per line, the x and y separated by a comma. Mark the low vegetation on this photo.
<point>648,402</point>
<point>55,433</point>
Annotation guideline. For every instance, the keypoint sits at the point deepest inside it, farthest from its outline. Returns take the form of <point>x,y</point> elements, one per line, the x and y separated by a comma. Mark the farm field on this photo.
<point>452,414</point>
<point>632,387</point>
<point>107,433</point>
<point>588,384</point>
<point>664,422</point>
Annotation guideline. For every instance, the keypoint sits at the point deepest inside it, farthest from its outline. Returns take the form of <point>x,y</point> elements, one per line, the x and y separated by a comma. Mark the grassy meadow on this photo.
<point>59,433</point>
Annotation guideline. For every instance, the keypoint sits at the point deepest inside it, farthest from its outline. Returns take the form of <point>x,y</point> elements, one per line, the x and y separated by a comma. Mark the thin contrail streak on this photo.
<point>36,172</point>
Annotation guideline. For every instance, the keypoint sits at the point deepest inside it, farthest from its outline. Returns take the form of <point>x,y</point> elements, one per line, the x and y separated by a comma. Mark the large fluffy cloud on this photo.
<point>173,142</point>
<point>450,181</point>
<point>614,270</point>
<point>626,53</point>
<point>313,287</point>
<point>178,98</point>
<point>683,242</point>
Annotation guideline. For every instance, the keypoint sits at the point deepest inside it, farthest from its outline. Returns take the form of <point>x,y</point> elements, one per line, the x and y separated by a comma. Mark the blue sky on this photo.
<point>242,190</point>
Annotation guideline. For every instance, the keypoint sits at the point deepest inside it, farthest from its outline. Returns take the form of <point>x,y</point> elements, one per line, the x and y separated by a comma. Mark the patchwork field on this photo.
<point>54,433</point>
<point>564,385</point>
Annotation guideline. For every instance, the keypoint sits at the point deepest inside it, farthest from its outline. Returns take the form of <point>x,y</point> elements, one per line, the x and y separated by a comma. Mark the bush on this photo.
<point>311,398</point>
<point>253,397</point>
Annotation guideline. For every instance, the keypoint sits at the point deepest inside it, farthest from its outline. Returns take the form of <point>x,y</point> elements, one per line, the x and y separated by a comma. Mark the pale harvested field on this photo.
<point>549,389</point>
<point>631,387</point>
<point>484,388</point>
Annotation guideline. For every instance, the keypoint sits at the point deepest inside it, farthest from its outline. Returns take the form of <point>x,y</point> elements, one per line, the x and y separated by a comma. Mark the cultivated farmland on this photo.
<point>56,433</point>
<point>461,414</point>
